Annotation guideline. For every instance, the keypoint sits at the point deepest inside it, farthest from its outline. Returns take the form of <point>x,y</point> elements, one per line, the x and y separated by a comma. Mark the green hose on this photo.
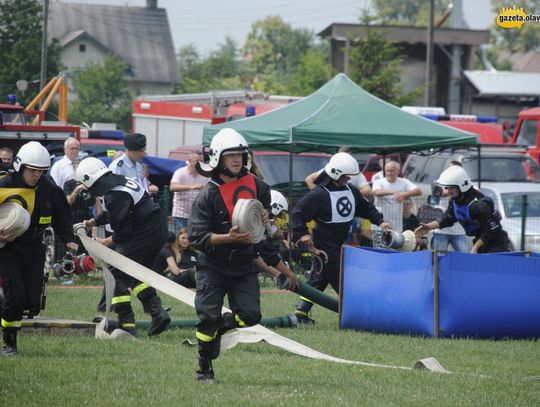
<point>312,294</point>
<point>287,321</point>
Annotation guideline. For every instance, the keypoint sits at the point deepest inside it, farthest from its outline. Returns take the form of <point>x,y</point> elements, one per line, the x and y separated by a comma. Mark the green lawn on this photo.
<point>159,371</point>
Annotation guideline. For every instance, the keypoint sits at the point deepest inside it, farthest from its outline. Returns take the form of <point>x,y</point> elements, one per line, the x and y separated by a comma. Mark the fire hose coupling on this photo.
<point>405,242</point>
<point>70,264</point>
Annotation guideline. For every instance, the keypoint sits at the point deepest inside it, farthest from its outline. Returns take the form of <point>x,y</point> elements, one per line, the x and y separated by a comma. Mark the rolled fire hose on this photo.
<point>252,334</point>
<point>312,294</point>
<point>248,216</point>
<point>14,219</point>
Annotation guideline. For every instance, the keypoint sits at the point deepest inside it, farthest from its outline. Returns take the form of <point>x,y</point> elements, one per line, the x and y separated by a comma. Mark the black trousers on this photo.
<point>21,268</point>
<point>499,244</point>
<point>330,270</point>
<point>143,248</point>
<point>244,300</point>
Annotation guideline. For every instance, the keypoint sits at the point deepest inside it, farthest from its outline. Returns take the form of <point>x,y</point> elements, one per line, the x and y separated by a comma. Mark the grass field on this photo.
<point>159,371</point>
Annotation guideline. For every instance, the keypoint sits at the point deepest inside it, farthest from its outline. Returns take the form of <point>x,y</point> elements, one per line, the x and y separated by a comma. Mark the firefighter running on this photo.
<point>226,266</point>
<point>22,258</point>
<point>139,232</point>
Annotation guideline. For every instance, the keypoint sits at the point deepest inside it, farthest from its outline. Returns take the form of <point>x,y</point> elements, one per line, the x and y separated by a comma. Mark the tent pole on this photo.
<point>479,166</point>
<point>289,225</point>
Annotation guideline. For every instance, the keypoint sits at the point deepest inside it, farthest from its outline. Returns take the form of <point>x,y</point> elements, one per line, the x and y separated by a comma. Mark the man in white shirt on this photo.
<point>186,183</point>
<point>64,169</point>
<point>389,193</point>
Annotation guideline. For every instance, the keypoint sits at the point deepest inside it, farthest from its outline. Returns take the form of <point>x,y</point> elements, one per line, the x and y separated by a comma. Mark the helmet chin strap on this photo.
<point>228,173</point>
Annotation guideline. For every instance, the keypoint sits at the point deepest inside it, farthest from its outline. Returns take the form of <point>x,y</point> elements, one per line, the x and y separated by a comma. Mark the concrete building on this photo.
<point>500,93</point>
<point>412,42</point>
<point>139,36</point>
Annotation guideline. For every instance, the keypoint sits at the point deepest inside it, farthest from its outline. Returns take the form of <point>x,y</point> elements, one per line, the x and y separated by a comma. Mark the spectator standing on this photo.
<point>64,169</point>
<point>186,183</point>
<point>6,161</point>
<point>390,192</point>
<point>129,164</point>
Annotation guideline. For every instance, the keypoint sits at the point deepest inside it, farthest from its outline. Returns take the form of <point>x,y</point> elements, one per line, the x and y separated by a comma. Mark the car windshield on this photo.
<point>513,203</point>
<point>504,169</point>
<point>101,150</point>
<point>275,168</point>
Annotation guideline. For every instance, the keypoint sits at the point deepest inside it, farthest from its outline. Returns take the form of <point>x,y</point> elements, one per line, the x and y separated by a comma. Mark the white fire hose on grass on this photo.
<point>252,334</point>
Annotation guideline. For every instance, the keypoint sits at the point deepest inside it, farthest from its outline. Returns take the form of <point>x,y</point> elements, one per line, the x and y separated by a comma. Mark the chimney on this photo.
<point>151,4</point>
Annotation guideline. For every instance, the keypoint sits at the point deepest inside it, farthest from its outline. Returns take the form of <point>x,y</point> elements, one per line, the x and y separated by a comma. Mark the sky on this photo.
<point>206,23</point>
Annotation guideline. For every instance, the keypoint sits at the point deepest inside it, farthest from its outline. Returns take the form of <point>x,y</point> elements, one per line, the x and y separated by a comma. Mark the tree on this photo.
<point>21,26</point>
<point>374,64</point>
<point>220,70</point>
<point>312,73</point>
<point>102,94</point>
<point>406,12</point>
<point>273,50</point>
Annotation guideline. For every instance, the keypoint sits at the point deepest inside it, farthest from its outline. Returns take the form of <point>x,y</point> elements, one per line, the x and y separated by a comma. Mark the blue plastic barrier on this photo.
<point>485,296</point>
<point>387,291</point>
<point>491,296</point>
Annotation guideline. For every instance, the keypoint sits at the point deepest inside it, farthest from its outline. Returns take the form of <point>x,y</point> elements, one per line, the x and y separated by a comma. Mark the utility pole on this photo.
<point>43,76</point>
<point>429,57</point>
<point>454,82</point>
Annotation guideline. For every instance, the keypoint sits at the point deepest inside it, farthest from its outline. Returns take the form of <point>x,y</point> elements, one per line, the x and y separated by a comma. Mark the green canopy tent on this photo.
<point>341,113</point>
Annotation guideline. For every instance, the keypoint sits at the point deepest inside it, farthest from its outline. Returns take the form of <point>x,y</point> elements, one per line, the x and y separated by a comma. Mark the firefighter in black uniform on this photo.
<point>333,204</point>
<point>473,210</point>
<point>139,232</point>
<point>226,265</point>
<point>22,259</point>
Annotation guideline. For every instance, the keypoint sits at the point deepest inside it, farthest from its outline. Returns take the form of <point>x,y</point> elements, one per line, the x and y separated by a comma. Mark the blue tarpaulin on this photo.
<point>387,291</point>
<point>484,296</point>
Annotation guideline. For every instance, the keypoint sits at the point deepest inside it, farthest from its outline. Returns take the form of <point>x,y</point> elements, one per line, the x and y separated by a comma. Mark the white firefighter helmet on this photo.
<point>455,176</point>
<point>90,170</point>
<point>341,164</point>
<point>278,203</point>
<point>14,219</point>
<point>32,155</point>
<point>226,140</point>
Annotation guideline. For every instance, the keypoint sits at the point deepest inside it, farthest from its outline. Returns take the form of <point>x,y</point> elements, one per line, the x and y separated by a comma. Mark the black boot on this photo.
<point>302,312</point>
<point>10,341</point>
<point>206,371</point>
<point>126,317</point>
<point>160,317</point>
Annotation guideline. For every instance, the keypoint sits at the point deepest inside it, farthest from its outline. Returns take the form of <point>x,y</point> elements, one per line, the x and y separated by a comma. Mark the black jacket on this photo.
<point>316,205</point>
<point>209,214</point>
<point>126,217</point>
<point>50,207</point>
<point>482,214</point>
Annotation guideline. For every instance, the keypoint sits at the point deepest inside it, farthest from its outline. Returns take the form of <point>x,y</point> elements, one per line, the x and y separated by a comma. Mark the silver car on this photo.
<point>508,198</point>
